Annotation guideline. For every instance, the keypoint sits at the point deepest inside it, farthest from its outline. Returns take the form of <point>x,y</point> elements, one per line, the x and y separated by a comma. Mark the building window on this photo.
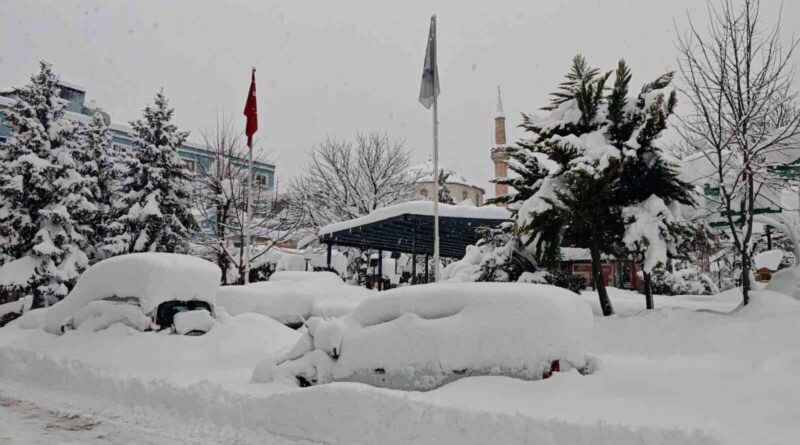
<point>478,199</point>
<point>463,195</point>
<point>424,193</point>
<point>261,180</point>
<point>190,164</point>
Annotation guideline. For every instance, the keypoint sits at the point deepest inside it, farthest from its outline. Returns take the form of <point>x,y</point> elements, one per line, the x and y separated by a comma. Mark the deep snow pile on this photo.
<point>420,337</point>
<point>152,278</point>
<point>290,297</point>
<point>99,315</point>
<point>189,321</point>
<point>786,281</point>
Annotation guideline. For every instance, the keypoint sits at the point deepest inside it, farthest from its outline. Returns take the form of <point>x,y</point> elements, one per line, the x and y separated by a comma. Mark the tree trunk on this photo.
<point>745,279</point>
<point>597,277</point>
<point>648,290</point>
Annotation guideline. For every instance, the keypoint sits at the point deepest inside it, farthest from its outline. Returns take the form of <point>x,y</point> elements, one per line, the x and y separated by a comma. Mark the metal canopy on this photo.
<point>410,233</point>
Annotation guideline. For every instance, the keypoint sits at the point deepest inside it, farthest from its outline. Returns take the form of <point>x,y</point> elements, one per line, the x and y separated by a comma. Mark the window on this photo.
<point>261,180</point>
<point>478,199</point>
<point>424,193</point>
<point>464,195</point>
<point>190,164</point>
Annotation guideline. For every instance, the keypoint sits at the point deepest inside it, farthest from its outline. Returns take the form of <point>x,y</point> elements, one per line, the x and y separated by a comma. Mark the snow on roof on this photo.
<point>71,85</point>
<point>424,173</point>
<point>770,259</point>
<point>424,208</point>
<point>152,277</point>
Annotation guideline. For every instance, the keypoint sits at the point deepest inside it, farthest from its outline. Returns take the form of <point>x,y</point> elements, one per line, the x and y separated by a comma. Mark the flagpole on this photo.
<point>248,200</point>
<point>435,157</point>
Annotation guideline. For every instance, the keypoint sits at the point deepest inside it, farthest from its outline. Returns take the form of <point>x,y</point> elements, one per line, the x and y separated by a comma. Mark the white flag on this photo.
<point>430,72</point>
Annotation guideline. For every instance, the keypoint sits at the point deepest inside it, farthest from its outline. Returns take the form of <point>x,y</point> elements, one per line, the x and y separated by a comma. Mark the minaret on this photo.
<point>500,154</point>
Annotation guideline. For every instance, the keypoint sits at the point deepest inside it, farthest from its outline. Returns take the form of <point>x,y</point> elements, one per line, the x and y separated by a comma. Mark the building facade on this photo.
<point>460,189</point>
<point>194,155</point>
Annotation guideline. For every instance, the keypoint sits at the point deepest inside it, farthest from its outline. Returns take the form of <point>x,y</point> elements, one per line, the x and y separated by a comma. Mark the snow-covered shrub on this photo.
<point>420,337</point>
<point>575,283</point>
<point>688,281</point>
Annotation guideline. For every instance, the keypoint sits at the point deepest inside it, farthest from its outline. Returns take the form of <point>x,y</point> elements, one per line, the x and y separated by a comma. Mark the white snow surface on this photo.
<point>290,297</point>
<point>198,320</point>
<point>18,272</point>
<point>770,259</point>
<point>685,373</point>
<point>152,278</point>
<point>419,208</point>
<point>786,281</point>
<point>99,314</point>
<point>423,336</point>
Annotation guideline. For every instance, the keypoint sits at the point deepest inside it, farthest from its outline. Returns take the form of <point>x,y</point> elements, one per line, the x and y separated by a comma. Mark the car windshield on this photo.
<point>165,313</point>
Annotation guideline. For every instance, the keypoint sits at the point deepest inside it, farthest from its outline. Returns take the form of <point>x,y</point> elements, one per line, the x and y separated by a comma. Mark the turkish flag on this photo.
<point>251,112</point>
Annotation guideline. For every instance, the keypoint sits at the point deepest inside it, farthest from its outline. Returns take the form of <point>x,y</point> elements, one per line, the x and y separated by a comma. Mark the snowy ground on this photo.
<point>679,374</point>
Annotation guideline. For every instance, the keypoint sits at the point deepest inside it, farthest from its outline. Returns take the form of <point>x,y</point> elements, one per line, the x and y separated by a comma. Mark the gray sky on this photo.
<point>337,67</point>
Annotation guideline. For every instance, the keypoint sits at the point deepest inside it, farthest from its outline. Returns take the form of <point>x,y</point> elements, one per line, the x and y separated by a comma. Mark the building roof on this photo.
<point>408,228</point>
<point>424,173</point>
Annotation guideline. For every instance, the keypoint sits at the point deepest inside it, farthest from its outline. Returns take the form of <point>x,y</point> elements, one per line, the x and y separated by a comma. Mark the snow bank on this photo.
<point>199,320</point>
<point>786,281</point>
<point>341,413</point>
<point>98,315</point>
<point>152,278</point>
<point>294,296</point>
<point>770,259</point>
<point>419,337</point>
<point>419,208</point>
<point>295,276</point>
<point>19,306</point>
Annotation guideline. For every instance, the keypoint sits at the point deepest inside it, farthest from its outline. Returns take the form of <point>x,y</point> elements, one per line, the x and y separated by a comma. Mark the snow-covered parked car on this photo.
<point>147,291</point>
<point>421,337</point>
<point>291,297</point>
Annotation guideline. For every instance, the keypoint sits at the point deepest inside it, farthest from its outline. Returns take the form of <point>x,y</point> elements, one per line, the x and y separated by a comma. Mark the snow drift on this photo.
<point>290,297</point>
<point>151,278</point>
<point>420,337</point>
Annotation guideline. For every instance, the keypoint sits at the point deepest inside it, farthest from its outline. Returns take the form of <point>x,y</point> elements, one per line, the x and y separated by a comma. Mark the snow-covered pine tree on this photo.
<point>444,192</point>
<point>42,194</point>
<point>101,163</point>
<point>155,202</point>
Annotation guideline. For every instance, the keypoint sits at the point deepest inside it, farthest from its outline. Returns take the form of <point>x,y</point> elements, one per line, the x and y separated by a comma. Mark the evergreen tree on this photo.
<point>42,194</point>
<point>155,205</point>
<point>100,162</point>
<point>586,164</point>
<point>444,192</point>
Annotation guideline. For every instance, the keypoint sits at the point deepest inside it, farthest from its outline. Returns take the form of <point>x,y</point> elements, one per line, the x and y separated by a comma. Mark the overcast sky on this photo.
<point>337,67</point>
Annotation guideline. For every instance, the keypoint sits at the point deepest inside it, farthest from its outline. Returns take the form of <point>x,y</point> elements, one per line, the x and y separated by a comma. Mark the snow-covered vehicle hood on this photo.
<point>148,279</point>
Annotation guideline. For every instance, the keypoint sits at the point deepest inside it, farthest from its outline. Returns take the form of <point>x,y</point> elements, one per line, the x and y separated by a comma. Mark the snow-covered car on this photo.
<point>421,337</point>
<point>291,297</point>
<point>147,291</point>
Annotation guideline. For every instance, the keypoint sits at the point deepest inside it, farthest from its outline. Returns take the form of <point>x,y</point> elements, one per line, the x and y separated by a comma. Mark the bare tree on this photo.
<point>220,198</point>
<point>738,78</point>
<point>345,179</point>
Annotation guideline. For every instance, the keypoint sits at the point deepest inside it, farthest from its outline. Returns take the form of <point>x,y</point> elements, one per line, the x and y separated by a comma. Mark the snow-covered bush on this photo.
<point>420,337</point>
<point>575,283</point>
<point>688,281</point>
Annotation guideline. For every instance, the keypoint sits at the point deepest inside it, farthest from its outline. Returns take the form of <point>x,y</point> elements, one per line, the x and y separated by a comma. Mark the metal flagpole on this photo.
<point>248,200</point>
<point>435,154</point>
